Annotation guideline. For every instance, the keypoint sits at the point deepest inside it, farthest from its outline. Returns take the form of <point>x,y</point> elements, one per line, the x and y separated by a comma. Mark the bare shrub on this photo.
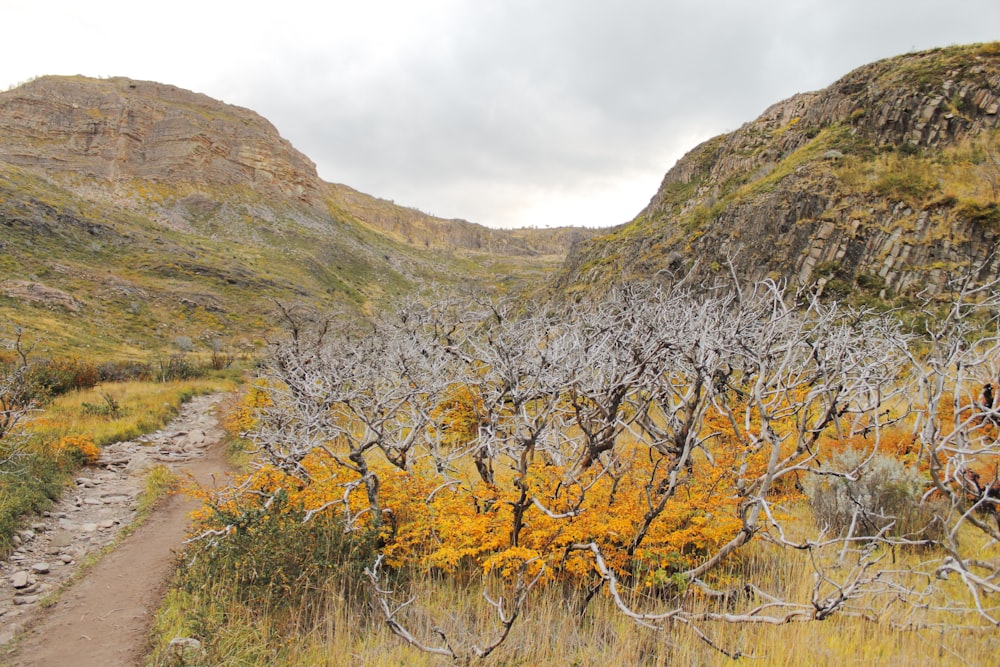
<point>221,358</point>
<point>636,443</point>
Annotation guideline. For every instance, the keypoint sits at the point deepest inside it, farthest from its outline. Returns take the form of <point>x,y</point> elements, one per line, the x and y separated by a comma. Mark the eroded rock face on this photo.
<point>140,134</point>
<point>122,129</point>
<point>38,293</point>
<point>771,196</point>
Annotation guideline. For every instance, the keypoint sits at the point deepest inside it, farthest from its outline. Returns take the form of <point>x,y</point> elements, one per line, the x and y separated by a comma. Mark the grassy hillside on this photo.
<point>140,264</point>
<point>135,213</point>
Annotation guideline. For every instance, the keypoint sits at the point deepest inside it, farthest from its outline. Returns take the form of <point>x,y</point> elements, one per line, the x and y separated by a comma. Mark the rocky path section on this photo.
<point>104,618</point>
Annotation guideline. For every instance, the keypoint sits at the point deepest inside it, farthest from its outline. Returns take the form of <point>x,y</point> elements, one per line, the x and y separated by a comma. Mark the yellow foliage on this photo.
<point>244,417</point>
<point>458,416</point>
<point>650,518</point>
<point>449,523</point>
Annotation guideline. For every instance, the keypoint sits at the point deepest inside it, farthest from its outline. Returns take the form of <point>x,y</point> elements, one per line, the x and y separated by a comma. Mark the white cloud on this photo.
<point>506,112</point>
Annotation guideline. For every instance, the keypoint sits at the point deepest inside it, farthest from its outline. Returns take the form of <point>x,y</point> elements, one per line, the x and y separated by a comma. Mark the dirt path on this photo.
<point>103,620</point>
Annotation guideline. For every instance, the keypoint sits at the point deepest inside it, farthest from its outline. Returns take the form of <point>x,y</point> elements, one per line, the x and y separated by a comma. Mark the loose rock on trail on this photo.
<point>103,619</point>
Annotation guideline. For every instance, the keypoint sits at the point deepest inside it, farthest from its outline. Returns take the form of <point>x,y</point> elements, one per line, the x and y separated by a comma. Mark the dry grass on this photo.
<point>323,628</point>
<point>552,632</point>
<point>143,407</point>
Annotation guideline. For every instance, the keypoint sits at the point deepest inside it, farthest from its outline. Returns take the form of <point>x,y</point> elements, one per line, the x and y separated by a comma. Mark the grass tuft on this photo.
<point>160,482</point>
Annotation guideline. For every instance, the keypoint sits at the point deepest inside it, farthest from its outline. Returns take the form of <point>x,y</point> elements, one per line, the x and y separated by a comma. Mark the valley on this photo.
<point>759,420</point>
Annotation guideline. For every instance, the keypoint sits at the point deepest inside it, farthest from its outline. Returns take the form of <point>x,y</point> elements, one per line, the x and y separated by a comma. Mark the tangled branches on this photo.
<point>637,444</point>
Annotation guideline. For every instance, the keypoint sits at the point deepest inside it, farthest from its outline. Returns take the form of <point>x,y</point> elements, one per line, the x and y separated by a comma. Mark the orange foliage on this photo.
<point>80,447</point>
<point>470,523</point>
<point>457,521</point>
<point>450,523</point>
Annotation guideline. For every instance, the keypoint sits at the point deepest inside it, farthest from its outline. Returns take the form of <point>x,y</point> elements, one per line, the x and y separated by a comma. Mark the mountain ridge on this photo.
<point>875,178</point>
<point>120,130</point>
<point>172,214</point>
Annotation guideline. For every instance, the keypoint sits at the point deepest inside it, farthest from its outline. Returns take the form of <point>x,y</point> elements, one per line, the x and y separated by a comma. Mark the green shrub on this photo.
<point>870,282</point>
<point>271,570</point>
<point>27,487</point>
<point>272,557</point>
<point>872,495</point>
<point>109,408</point>
<point>837,290</point>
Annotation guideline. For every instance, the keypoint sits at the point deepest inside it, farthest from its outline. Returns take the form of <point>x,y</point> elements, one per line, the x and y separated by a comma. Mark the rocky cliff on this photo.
<point>885,182</point>
<point>120,129</point>
<point>413,227</point>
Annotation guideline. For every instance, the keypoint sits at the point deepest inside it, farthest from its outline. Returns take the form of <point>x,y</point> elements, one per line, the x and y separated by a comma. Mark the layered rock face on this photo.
<point>862,180</point>
<point>120,129</point>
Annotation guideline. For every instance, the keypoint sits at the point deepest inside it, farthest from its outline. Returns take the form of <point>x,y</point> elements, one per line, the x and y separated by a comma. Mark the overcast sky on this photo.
<point>507,113</point>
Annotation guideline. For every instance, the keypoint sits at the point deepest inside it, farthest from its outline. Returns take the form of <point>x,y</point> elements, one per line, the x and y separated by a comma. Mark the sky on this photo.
<point>510,113</point>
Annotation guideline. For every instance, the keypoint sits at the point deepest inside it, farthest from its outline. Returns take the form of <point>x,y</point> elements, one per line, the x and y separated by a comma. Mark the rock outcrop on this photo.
<point>885,181</point>
<point>24,290</point>
<point>120,129</point>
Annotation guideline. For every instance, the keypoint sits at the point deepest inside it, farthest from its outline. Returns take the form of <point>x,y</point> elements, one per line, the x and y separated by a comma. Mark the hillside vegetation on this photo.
<point>135,213</point>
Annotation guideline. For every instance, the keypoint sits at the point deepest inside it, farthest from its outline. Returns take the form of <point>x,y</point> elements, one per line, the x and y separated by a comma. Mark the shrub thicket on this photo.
<point>44,379</point>
<point>274,560</point>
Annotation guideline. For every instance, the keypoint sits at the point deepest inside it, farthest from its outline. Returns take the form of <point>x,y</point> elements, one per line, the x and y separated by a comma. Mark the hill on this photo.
<point>135,213</point>
<point>882,184</point>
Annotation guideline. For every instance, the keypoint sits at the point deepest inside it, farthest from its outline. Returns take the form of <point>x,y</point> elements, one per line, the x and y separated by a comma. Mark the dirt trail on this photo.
<point>103,620</point>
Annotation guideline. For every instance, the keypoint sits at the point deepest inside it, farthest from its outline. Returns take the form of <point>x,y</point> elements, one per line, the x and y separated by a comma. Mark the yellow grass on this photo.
<point>143,408</point>
<point>551,632</point>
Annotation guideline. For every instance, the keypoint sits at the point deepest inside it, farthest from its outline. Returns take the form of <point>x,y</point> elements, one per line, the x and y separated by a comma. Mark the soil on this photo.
<point>104,617</point>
